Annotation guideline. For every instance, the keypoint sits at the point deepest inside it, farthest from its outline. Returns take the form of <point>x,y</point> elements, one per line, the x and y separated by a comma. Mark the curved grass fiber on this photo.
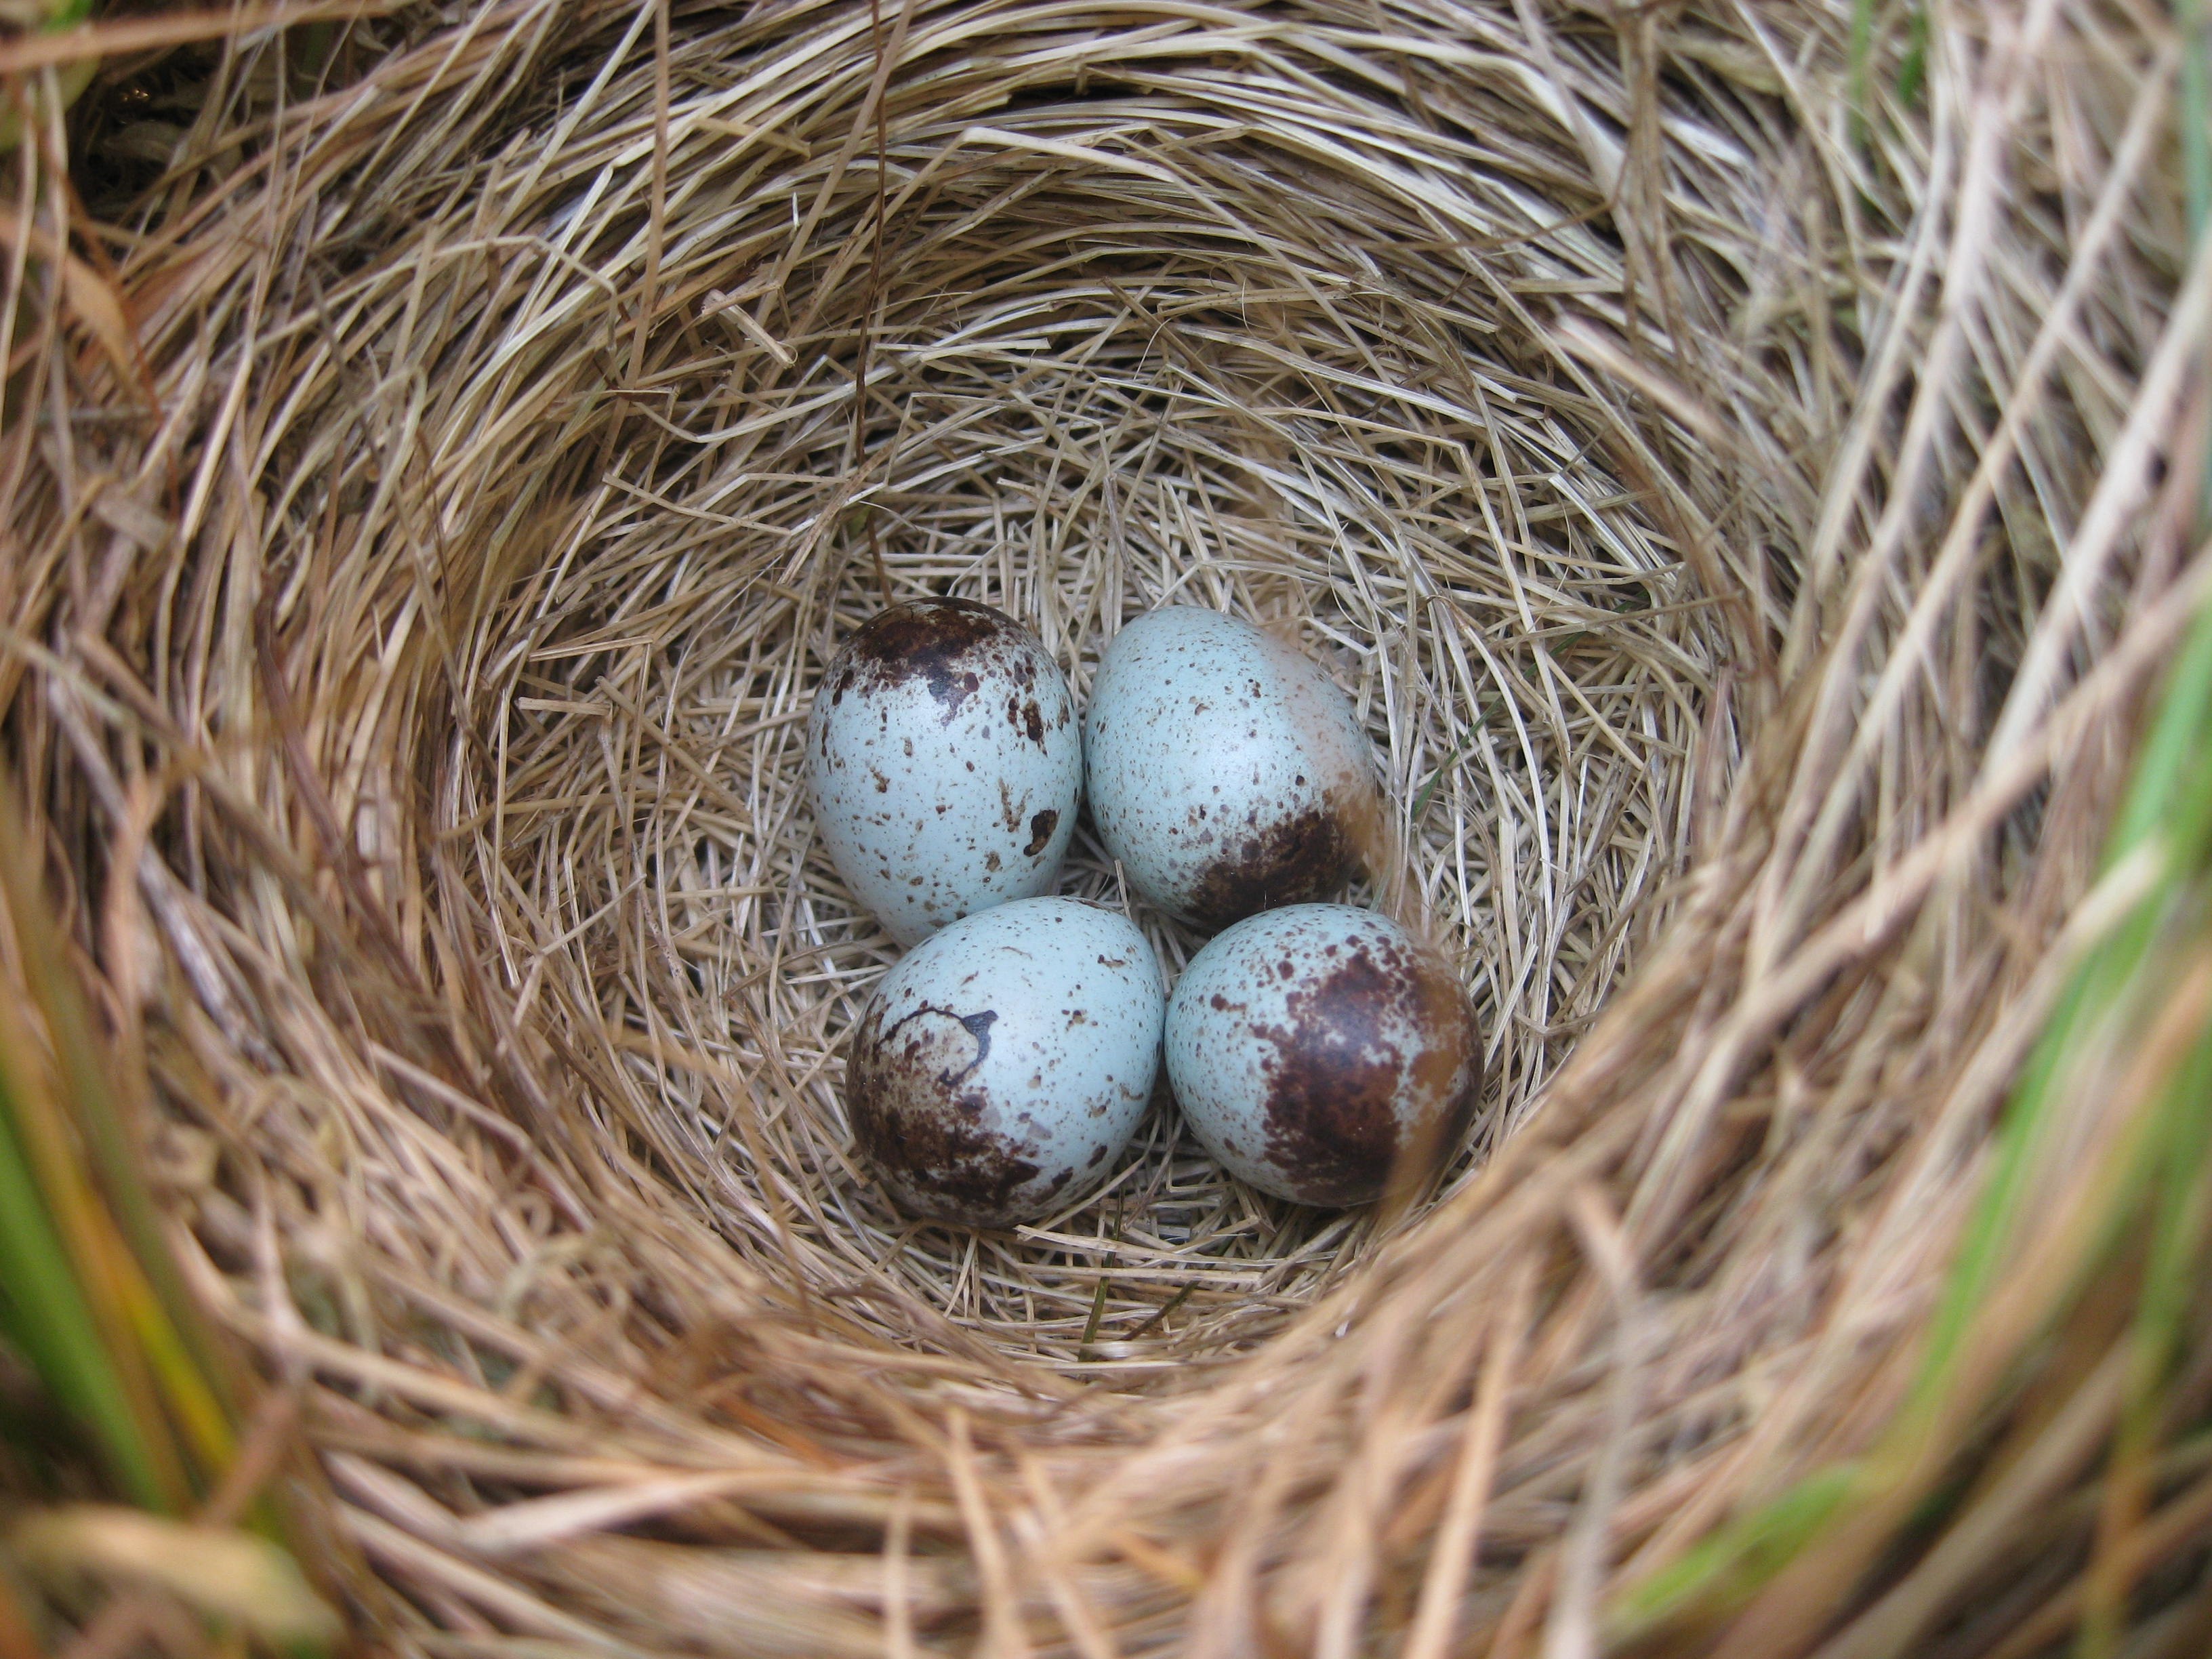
<point>1747,464</point>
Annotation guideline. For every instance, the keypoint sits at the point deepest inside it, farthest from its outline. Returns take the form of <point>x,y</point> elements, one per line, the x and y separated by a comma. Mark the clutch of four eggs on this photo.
<point>1000,1066</point>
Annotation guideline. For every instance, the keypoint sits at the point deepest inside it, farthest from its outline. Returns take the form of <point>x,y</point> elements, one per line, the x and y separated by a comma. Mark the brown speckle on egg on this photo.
<point>1292,861</point>
<point>936,1145</point>
<point>931,640</point>
<point>1332,1113</point>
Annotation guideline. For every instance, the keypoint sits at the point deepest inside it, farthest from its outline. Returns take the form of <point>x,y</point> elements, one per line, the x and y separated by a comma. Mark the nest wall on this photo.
<point>1727,504</point>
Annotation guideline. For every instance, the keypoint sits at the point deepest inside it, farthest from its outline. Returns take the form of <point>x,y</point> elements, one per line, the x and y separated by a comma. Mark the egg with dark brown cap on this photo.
<point>1226,772</point>
<point>944,763</point>
<point>999,1069</point>
<point>1320,1051</point>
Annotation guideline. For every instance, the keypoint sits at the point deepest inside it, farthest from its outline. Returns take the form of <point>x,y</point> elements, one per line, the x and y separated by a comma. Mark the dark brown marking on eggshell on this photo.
<point>1332,1080</point>
<point>930,1139</point>
<point>1447,1069</point>
<point>1024,715</point>
<point>1332,1125</point>
<point>1041,825</point>
<point>1300,860</point>
<point>935,641</point>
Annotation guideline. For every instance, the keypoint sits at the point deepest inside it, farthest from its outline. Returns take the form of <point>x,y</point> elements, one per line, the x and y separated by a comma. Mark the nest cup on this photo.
<point>1111,362</point>
<point>531,404</point>
<point>1130,335</point>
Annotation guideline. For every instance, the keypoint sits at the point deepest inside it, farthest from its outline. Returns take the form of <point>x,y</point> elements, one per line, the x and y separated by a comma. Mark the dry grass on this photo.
<point>1747,529</point>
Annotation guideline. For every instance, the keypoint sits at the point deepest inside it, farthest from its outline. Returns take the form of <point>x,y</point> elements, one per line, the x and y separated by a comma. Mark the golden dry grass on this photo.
<point>1747,528</point>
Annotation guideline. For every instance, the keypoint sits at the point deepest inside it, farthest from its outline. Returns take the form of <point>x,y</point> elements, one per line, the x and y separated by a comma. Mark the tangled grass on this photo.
<point>1740,460</point>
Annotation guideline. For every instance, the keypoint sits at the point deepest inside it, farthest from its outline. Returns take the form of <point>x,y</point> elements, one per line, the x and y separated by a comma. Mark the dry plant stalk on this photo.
<point>1730,458</point>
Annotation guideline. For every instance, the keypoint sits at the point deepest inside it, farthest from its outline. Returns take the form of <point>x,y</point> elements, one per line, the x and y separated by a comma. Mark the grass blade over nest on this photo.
<point>2141,1232</point>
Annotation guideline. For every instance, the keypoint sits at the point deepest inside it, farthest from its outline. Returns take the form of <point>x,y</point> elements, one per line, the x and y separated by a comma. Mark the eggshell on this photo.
<point>1316,1047</point>
<point>1225,771</point>
<point>946,763</point>
<point>1000,1068</point>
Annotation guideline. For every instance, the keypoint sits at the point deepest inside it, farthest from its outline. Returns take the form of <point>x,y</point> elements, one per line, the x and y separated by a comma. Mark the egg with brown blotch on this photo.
<point>998,1068</point>
<point>1319,1051</point>
<point>1226,772</point>
<point>944,763</point>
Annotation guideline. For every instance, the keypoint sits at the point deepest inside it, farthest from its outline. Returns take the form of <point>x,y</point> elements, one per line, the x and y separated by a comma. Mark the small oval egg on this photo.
<point>999,1069</point>
<point>1225,771</point>
<point>946,763</point>
<point>1315,1049</point>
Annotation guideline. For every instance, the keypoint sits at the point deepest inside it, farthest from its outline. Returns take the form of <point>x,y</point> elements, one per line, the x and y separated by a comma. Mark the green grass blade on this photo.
<point>2179,1147</point>
<point>1739,1557</point>
<point>1912,72</point>
<point>1862,56</point>
<point>86,1161</point>
<point>49,1319</point>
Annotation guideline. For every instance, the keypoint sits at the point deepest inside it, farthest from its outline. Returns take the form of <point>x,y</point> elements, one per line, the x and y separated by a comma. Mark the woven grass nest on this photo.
<point>1739,459</point>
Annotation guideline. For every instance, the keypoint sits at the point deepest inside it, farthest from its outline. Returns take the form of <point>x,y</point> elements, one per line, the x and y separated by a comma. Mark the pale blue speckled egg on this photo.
<point>946,763</point>
<point>1225,770</point>
<point>1318,1050</point>
<point>999,1067</point>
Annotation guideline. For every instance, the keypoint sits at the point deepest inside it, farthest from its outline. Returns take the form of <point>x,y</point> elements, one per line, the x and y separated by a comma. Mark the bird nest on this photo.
<point>1721,460</point>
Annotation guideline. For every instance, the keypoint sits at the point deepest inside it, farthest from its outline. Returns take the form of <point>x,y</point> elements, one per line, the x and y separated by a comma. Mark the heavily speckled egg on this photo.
<point>1225,771</point>
<point>946,763</point>
<point>1314,1049</point>
<point>1000,1068</point>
